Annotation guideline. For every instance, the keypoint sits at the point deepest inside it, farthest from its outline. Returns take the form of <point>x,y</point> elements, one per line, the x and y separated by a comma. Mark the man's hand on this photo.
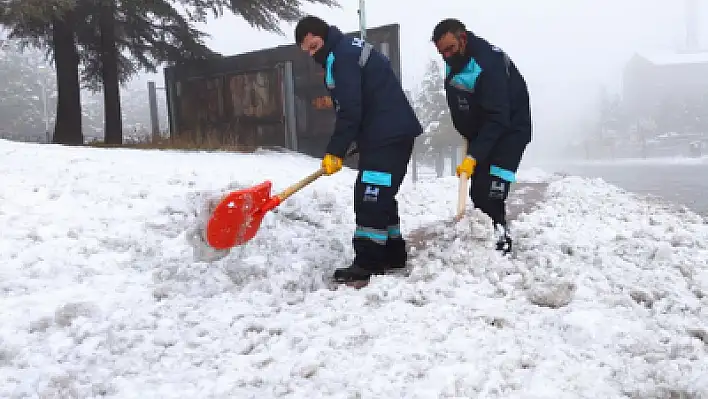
<point>467,166</point>
<point>331,164</point>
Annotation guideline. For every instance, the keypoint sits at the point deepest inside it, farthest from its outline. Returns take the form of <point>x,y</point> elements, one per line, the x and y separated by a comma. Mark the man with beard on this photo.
<point>372,111</point>
<point>489,106</point>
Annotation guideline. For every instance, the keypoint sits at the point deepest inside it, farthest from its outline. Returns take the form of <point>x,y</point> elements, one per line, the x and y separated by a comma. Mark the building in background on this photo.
<point>671,88</point>
<point>274,97</point>
<point>664,104</point>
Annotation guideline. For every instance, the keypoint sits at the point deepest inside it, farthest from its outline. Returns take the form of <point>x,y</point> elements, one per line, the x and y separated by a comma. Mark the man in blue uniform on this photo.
<point>372,111</point>
<point>489,106</point>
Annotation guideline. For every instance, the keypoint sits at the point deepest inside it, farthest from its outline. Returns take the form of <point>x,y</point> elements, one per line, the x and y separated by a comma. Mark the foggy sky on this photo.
<point>565,49</point>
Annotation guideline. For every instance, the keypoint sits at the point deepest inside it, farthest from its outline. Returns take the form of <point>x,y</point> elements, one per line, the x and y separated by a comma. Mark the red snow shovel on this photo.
<point>239,214</point>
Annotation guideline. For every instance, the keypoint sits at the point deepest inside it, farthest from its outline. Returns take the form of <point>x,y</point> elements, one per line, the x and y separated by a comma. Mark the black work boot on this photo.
<point>503,238</point>
<point>355,272</point>
<point>396,254</point>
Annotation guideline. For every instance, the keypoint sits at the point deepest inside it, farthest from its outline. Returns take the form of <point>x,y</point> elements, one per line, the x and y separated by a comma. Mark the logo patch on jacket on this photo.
<point>462,103</point>
<point>371,194</point>
<point>497,190</point>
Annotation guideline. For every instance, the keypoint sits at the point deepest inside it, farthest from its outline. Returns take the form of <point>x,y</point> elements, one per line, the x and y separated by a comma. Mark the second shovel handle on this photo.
<point>462,195</point>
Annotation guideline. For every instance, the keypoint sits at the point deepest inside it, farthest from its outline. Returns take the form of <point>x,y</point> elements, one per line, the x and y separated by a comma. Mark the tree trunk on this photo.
<point>113,121</point>
<point>68,129</point>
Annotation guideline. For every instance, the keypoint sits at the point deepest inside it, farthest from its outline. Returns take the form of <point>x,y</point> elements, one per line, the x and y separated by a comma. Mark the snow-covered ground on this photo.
<point>100,294</point>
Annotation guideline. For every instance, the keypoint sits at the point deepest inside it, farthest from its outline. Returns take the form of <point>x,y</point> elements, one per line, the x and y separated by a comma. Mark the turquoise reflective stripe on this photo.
<point>375,235</point>
<point>377,178</point>
<point>502,173</point>
<point>378,238</point>
<point>467,78</point>
<point>394,231</point>
<point>329,76</point>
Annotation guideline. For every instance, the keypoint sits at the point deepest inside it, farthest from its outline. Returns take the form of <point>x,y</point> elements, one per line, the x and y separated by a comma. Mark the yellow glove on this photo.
<point>467,166</point>
<point>331,164</point>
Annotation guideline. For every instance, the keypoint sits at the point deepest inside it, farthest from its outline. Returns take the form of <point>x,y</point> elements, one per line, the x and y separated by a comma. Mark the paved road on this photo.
<point>684,184</point>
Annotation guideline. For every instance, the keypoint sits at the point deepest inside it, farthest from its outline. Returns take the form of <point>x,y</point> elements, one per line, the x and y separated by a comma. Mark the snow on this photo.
<point>100,294</point>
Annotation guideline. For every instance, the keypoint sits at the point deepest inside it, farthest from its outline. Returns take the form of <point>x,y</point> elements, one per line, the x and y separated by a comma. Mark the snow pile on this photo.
<point>534,175</point>
<point>101,296</point>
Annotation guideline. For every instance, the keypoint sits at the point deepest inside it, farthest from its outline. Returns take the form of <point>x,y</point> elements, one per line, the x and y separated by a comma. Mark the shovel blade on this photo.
<point>237,216</point>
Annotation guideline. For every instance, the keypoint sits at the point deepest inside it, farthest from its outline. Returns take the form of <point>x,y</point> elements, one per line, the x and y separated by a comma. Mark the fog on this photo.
<point>566,50</point>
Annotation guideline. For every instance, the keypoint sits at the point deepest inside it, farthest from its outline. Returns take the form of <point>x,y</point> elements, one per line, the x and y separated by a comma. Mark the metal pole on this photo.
<point>414,155</point>
<point>43,84</point>
<point>46,114</point>
<point>289,106</point>
<point>154,119</point>
<point>362,20</point>
<point>691,18</point>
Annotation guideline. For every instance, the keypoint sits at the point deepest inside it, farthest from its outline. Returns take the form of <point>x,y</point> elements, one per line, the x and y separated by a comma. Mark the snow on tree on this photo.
<point>430,105</point>
<point>429,98</point>
<point>26,86</point>
<point>28,82</point>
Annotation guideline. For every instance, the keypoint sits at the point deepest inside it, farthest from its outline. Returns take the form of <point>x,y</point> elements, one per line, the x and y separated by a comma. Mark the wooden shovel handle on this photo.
<point>462,191</point>
<point>301,184</point>
<point>307,180</point>
<point>461,196</point>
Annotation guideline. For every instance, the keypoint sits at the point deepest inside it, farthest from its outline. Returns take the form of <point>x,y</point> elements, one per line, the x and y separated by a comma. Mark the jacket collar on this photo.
<point>334,36</point>
<point>468,46</point>
<point>469,55</point>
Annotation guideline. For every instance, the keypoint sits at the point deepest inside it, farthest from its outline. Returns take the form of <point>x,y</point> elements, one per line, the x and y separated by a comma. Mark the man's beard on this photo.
<point>457,62</point>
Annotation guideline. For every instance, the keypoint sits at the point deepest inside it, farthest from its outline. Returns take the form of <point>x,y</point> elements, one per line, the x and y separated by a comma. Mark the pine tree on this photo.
<point>97,34</point>
<point>26,78</point>
<point>26,87</point>
<point>122,37</point>
<point>432,110</point>
<point>154,33</point>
